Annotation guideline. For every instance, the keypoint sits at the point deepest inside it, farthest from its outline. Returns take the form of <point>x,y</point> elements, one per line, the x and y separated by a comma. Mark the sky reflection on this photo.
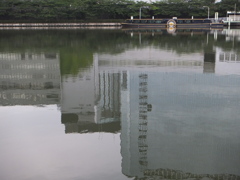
<point>34,146</point>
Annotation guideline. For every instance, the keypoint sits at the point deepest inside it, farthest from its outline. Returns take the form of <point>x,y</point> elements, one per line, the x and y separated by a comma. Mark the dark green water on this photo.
<point>119,104</point>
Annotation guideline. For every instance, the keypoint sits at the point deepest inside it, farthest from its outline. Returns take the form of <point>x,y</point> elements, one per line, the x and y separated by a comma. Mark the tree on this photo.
<point>58,10</point>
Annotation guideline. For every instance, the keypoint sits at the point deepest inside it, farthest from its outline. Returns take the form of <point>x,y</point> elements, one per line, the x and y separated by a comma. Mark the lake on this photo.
<point>119,104</point>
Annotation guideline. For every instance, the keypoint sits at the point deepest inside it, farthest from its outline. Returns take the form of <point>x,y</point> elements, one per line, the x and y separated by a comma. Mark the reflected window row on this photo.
<point>28,56</point>
<point>144,163</point>
<point>229,57</point>
<point>38,66</point>
<point>142,127</point>
<point>170,63</point>
<point>177,174</point>
<point>29,76</point>
<point>22,96</point>
<point>142,141</point>
<point>155,63</point>
<point>29,85</point>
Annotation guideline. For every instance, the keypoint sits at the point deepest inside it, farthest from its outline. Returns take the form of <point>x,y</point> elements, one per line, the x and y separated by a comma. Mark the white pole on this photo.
<point>208,12</point>
<point>140,12</point>
<point>235,12</point>
<point>216,16</point>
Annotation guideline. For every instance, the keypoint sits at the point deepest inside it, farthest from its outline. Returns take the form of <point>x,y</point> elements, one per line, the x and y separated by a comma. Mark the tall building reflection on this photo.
<point>187,131</point>
<point>29,78</point>
<point>98,110</point>
<point>173,116</point>
<point>144,107</point>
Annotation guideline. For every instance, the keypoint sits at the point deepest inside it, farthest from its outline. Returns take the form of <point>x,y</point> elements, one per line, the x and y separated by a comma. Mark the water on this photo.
<point>119,104</point>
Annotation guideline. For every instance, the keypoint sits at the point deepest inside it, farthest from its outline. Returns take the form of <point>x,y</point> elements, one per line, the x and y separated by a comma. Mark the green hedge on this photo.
<point>104,10</point>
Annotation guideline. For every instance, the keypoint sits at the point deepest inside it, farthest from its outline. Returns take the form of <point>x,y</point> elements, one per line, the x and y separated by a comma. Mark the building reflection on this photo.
<point>98,110</point>
<point>29,79</point>
<point>177,113</point>
<point>106,84</point>
<point>173,115</point>
<point>209,62</point>
<point>187,132</point>
<point>232,34</point>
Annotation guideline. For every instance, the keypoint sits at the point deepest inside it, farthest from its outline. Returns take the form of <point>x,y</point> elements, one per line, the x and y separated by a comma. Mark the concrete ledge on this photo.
<point>60,24</point>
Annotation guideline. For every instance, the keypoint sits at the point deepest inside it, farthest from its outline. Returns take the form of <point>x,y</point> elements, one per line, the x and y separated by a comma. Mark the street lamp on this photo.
<point>208,10</point>
<point>140,10</point>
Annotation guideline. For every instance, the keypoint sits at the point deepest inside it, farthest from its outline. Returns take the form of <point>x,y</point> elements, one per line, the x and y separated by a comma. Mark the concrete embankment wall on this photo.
<point>60,24</point>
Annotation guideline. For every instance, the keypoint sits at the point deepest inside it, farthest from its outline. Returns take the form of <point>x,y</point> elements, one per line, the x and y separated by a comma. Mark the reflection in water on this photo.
<point>174,115</point>
<point>187,130</point>
<point>96,110</point>
<point>175,107</point>
<point>143,121</point>
<point>173,174</point>
<point>29,78</point>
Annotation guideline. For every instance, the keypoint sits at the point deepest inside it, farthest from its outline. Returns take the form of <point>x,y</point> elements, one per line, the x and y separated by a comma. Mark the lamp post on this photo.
<point>208,10</point>
<point>140,11</point>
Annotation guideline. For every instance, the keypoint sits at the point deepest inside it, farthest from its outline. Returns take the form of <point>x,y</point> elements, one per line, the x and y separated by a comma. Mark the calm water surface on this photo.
<point>84,104</point>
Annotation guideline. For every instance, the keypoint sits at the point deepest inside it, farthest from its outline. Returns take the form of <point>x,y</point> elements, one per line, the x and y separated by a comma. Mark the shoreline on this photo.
<point>60,25</point>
